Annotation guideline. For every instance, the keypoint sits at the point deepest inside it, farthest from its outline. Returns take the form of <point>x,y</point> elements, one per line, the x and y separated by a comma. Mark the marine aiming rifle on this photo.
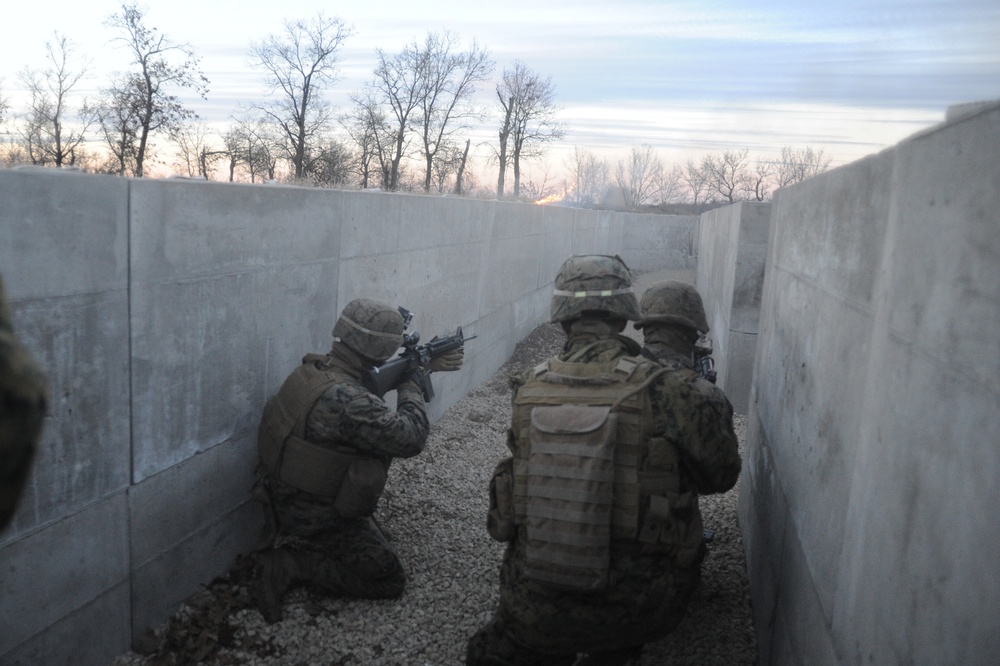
<point>703,361</point>
<point>391,374</point>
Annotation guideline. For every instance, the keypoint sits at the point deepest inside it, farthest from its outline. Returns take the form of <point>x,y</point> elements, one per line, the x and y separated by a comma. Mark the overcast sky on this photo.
<point>689,78</point>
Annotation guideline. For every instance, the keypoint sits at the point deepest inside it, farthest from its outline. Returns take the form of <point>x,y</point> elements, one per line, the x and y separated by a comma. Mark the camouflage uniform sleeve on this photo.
<point>701,417</point>
<point>23,398</point>
<point>348,414</point>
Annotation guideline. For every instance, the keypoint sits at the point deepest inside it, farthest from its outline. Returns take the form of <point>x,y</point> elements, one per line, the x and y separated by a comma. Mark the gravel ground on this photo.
<point>435,507</point>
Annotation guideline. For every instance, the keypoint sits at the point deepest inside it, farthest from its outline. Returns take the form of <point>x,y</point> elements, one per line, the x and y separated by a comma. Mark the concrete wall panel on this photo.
<point>811,356</point>
<point>64,258</point>
<point>873,423</point>
<point>512,269</point>
<point>166,312</point>
<point>169,507</point>
<point>202,254</point>
<point>718,243</point>
<point>65,220</point>
<point>652,241</point>
<point>59,570</point>
<point>160,585</point>
<point>925,589</point>
<point>94,634</point>
<point>733,246</point>
<point>81,342</point>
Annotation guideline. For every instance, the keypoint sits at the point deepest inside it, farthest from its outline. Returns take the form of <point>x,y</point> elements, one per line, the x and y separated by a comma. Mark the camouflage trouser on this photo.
<point>345,556</point>
<point>537,625</point>
<point>355,561</point>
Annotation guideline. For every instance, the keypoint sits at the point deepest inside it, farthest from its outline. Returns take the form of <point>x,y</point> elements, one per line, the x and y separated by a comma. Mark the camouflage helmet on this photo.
<point>594,284</point>
<point>371,328</point>
<point>672,302</point>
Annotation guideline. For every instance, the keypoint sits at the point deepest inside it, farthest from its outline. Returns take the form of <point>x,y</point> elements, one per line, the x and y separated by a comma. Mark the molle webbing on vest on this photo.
<point>284,451</point>
<point>576,480</point>
<point>570,489</point>
<point>596,384</point>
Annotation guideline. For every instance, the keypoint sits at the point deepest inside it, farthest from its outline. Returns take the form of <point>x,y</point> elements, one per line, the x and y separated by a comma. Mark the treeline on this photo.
<point>643,180</point>
<point>410,127</point>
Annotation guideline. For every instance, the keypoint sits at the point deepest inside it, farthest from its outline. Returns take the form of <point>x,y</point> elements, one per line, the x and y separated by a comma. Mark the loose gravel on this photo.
<point>435,506</point>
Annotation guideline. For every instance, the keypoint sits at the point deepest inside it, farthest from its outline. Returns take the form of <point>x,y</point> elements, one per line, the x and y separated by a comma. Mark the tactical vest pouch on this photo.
<point>315,469</point>
<point>361,487</point>
<point>670,520</point>
<point>571,475</point>
<point>500,519</point>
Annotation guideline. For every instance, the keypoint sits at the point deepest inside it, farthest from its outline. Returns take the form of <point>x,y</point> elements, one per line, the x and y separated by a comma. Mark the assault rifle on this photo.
<point>391,374</point>
<point>703,361</point>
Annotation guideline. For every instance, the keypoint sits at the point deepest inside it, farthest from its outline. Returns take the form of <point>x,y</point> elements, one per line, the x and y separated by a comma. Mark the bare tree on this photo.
<point>11,152</point>
<point>589,177</point>
<point>393,100</point>
<point>694,176</point>
<point>193,155</point>
<point>460,175</point>
<point>728,173</point>
<point>45,131</point>
<point>797,165</point>
<point>546,190</point>
<point>4,107</point>
<point>529,112</point>
<point>298,65</point>
<point>330,163</point>
<point>759,180</point>
<point>671,185</point>
<point>374,136</point>
<point>445,101</point>
<point>254,145</point>
<point>506,99</point>
<point>119,120</point>
<point>640,177</point>
<point>145,92</point>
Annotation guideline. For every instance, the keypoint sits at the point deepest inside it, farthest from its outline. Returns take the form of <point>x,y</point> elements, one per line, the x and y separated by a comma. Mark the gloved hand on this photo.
<point>448,362</point>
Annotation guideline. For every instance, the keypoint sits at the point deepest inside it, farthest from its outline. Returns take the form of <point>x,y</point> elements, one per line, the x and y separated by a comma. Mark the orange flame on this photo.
<point>552,198</point>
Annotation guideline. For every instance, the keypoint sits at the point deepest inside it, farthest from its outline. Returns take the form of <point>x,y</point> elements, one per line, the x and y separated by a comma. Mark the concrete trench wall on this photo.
<point>166,312</point>
<point>869,498</point>
<point>863,345</point>
<point>732,248</point>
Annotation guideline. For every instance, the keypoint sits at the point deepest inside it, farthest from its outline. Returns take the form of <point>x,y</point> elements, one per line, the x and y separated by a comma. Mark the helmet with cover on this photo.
<point>371,328</point>
<point>675,303</point>
<point>595,285</point>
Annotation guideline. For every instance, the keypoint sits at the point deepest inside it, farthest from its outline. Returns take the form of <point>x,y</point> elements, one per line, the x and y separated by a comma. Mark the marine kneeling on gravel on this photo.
<point>598,502</point>
<point>326,443</point>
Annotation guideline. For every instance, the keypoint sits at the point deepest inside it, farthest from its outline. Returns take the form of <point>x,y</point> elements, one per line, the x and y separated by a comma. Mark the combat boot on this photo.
<point>277,572</point>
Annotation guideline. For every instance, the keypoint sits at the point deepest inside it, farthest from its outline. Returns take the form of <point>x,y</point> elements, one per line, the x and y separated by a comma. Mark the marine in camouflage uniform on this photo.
<point>649,586</point>
<point>326,445</point>
<point>22,410</point>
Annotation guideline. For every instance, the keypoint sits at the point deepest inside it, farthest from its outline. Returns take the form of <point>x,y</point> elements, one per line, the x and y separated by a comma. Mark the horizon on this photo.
<point>687,78</point>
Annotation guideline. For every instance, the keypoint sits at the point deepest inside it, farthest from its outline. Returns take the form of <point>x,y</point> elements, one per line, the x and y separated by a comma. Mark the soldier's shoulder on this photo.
<point>708,393</point>
<point>682,381</point>
<point>519,378</point>
<point>346,392</point>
